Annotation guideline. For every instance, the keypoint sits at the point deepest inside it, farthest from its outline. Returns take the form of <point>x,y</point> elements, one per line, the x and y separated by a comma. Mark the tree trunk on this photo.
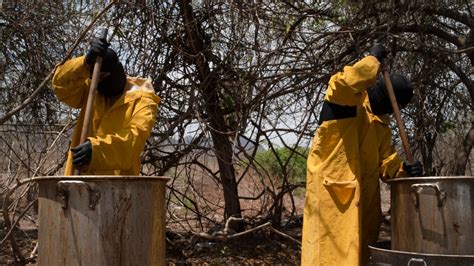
<point>223,148</point>
<point>463,156</point>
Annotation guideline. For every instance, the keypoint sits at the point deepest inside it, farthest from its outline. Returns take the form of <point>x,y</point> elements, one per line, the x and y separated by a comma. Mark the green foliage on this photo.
<point>274,162</point>
<point>188,203</point>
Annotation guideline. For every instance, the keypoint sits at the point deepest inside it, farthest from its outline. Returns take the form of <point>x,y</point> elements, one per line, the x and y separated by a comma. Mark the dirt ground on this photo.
<point>263,247</point>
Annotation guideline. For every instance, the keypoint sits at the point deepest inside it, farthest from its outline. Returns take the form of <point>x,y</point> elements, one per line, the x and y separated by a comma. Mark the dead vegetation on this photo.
<point>235,78</point>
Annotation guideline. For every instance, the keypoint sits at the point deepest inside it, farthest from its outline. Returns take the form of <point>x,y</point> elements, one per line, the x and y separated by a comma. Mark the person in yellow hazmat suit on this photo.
<point>351,150</point>
<point>124,113</point>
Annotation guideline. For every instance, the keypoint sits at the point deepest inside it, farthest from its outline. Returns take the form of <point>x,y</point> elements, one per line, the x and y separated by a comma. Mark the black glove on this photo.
<point>82,154</point>
<point>414,169</point>
<point>98,48</point>
<point>378,51</point>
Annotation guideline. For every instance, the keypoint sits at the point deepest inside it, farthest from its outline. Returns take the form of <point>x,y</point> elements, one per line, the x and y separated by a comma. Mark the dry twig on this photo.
<point>33,95</point>
<point>223,237</point>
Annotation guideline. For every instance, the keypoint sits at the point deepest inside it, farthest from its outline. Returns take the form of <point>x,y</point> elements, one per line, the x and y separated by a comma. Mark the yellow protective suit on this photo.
<point>119,129</point>
<point>342,211</point>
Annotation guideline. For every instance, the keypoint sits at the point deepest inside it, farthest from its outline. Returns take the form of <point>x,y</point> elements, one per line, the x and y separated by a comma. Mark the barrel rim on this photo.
<point>116,178</point>
<point>430,178</point>
<point>464,256</point>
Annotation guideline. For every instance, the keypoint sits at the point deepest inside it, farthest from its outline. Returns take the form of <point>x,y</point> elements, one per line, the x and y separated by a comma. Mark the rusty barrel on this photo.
<point>101,220</point>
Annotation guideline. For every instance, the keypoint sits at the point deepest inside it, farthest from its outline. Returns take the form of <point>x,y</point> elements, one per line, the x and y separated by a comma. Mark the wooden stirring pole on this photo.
<point>396,111</point>
<point>90,98</point>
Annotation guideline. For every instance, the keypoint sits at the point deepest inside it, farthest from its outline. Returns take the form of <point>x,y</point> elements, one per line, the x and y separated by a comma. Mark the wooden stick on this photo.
<point>285,236</point>
<point>225,237</point>
<point>398,117</point>
<point>90,99</point>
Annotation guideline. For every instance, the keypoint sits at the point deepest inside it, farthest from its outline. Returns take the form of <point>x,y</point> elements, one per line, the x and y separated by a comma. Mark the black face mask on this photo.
<point>379,99</point>
<point>114,84</point>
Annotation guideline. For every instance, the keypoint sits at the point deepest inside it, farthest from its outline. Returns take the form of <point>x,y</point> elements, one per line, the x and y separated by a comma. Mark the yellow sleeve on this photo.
<point>392,164</point>
<point>70,82</point>
<point>345,87</point>
<point>117,151</point>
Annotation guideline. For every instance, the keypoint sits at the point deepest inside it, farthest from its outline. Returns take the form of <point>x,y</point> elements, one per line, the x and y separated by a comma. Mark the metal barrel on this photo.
<point>101,220</point>
<point>381,255</point>
<point>433,215</point>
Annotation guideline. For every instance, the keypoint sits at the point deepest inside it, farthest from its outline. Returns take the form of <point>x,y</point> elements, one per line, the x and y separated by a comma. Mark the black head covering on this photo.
<point>378,95</point>
<point>114,83</point>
